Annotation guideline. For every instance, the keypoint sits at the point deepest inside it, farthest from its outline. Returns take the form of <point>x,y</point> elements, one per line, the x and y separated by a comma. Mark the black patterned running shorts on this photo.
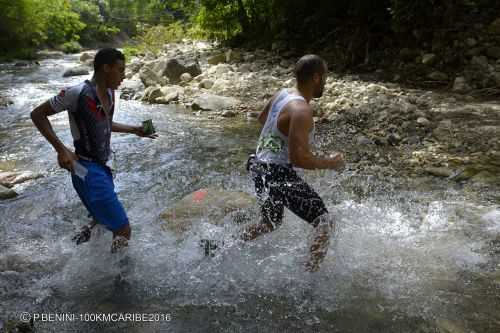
<point>279,186</point>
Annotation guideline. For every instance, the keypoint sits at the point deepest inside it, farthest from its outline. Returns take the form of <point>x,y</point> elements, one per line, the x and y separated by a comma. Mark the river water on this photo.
<point>418,257</point>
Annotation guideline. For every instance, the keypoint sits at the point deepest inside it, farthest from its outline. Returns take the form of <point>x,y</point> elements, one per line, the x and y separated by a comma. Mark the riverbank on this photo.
<point>385,129</point>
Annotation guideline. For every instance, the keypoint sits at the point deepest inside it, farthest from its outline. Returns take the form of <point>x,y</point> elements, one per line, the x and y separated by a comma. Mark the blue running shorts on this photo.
<point>97,192</point>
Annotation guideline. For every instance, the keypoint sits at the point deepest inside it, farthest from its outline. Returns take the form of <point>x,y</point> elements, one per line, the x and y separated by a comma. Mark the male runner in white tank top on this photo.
<point>284,143</point>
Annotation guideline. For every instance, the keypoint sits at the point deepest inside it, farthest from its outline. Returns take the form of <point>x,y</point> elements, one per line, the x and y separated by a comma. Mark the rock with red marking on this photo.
<point>209,204</point>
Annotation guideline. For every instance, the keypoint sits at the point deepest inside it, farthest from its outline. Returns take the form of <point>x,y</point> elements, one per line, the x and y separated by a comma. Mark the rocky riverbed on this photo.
<point>384,128</point>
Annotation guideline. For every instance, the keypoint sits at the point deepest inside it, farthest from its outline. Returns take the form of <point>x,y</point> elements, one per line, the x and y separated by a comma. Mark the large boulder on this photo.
<point>76,71</point>
<point>149,77</point>
<point>213,102</point>
<point>152,93</point>
<point>130,87</point>
<point>169,94</point>
<point>174,69</point>
<point>211,204</point>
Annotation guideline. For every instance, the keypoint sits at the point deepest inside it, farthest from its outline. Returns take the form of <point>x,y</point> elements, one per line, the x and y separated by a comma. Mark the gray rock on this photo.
<point>222,69</point>
<point>363,140</point>
<point>429,59</point>
<point>4,102</point>
<point>493,52</point>
<point>245,68</point>
<point>423,121</point>
<point>11,178</point>
<point>76,71</point>
<point>207,204</point>
<point>393,139</point>
<point>151,93</point>
<point>249,57</point>
<point>175,69</point>
<point>130,87</point>
<point>233,56</point>
<point>460,84</point>
<point>169,98</point>
<point>438,76</point>
<point>186,77</point>
<point>213,102</point>
<point>87,56</point>
<point>149,77</point>
<point>6,193</point>
<point>169,94</point>
<point>217,59</point>
<point>252,114</point>
<point>89,63</point>
<point>206,83</point>
<point>228,114</point>
<point>439,172</point>
<point>134,66</point>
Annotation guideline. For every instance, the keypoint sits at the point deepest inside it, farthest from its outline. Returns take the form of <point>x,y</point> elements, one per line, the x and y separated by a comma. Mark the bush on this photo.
<point>70,47</point>
<point>154,38</point>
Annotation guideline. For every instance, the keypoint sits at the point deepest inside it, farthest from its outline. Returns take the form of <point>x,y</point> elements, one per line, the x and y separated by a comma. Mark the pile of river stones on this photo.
<point>381,126</point>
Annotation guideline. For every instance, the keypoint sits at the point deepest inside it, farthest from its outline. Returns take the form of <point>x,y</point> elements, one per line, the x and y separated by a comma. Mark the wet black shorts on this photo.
<point>279,186</point>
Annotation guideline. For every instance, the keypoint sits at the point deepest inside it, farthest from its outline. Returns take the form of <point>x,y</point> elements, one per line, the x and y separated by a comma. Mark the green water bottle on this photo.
<point>147,127</point>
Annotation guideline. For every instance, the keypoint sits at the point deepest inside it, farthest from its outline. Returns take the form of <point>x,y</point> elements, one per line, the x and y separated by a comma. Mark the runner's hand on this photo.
<point>139,131</point>
<point>66,158</point>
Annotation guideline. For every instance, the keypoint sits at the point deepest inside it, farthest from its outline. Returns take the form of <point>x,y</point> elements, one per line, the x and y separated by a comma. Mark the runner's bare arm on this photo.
<point>39,116</point>
<point>300,154</point>
<point>122,128</point>
<point>137,130</point>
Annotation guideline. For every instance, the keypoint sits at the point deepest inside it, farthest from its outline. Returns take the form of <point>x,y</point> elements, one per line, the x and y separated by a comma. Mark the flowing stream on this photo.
<point>418,257</point>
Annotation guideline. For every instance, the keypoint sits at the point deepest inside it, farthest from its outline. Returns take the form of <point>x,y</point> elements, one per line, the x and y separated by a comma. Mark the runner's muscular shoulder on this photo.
<point>299,112</point>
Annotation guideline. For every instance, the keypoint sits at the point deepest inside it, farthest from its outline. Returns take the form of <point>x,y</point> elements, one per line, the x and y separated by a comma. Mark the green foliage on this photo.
<point>96,29</point>
<point>29,24</point>
<point>154,38</point>
<point>70,47</point>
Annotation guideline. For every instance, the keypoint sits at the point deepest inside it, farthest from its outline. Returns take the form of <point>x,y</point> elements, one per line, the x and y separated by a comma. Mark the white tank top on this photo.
<point>272,146</point>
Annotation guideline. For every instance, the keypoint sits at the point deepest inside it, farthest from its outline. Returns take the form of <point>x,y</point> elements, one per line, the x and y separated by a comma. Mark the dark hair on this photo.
<point>107,56</point>
<point>307,66</point>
